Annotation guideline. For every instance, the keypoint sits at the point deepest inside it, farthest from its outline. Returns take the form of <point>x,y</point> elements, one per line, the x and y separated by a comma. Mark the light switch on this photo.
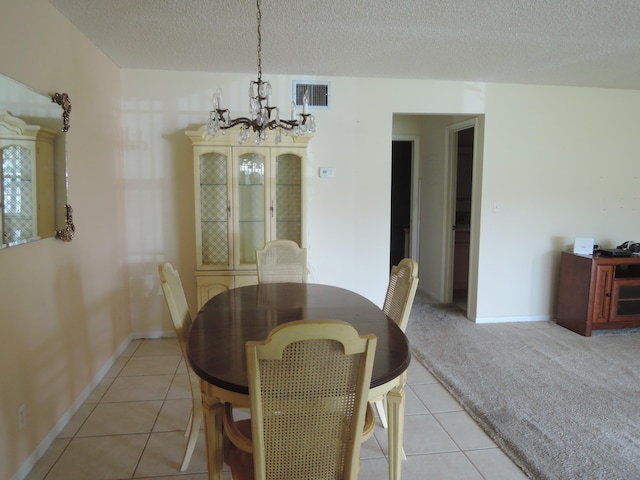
<point>327,172</point>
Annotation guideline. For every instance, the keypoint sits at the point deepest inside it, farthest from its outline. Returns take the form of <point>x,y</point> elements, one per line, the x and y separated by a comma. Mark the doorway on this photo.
<point>405,195</point>
<point>461,161</point>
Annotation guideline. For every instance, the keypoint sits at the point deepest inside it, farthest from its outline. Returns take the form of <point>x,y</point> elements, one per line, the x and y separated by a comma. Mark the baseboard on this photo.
<point>522,318</point>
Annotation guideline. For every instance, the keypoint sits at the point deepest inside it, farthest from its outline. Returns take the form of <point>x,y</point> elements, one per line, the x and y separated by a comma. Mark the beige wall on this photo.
<point>547,158</point>
<point>64,307</point>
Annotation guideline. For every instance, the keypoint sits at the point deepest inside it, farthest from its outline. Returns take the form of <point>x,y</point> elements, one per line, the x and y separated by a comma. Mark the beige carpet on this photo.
<point>562,406</point>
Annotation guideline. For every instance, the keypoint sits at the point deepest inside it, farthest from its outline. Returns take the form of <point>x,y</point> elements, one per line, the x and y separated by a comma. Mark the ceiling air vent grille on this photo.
<point>319,94</point>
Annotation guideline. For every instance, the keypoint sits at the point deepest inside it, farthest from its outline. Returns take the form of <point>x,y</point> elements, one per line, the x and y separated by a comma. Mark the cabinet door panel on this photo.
<point>288,201</point>
<point>602,293</point>
<point>251,206</point>
<point>213,229</point>
<point>625,301</point>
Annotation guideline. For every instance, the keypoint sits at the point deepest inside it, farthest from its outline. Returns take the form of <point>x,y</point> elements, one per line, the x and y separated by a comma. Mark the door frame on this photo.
<point>449,219</point>
<point>416,185</point>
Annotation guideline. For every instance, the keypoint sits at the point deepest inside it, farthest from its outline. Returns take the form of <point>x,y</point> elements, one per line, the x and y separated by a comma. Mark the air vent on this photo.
<point>319,94</point>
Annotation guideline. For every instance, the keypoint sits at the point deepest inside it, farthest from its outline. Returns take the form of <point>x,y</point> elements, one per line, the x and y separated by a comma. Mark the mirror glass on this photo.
<point>33,170</point>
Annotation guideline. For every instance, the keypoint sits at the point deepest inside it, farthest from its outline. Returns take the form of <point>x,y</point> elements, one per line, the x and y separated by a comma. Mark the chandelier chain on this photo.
<point>259,18</point>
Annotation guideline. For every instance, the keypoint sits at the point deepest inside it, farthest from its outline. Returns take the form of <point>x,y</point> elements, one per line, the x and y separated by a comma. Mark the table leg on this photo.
<point>213,410</point>
<point>395,419</point>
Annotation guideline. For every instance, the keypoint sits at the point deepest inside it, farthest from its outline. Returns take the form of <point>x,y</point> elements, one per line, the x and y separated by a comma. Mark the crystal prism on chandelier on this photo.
<point>263,116</point>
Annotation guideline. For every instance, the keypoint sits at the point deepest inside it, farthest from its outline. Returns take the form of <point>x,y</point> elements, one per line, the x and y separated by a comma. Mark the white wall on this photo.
<point>64,307</point>
<point>546,150</point>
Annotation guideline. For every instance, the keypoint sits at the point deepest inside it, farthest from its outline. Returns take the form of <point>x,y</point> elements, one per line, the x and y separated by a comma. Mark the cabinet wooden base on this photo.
<point>598,293</point>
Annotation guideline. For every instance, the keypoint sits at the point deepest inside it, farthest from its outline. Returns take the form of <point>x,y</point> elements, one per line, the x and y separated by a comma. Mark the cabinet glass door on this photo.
<point>214,211</point>
<point>288,202</point>
<point>250,174</point>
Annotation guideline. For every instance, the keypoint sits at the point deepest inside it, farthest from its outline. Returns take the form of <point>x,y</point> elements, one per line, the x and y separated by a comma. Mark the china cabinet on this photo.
<point>245,196</point>
<point>26,169</point>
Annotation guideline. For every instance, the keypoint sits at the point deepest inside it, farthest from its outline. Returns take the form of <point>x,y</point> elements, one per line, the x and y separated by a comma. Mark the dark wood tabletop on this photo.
<point>215,346</point>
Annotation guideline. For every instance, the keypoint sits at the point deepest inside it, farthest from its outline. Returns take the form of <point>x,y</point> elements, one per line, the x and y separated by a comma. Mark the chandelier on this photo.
<point>263,116</point>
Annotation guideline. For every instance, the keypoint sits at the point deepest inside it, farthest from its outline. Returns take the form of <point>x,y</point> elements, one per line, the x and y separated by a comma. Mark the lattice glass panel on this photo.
<point>288,197</point>
<point>288,169</point>
<point>213,209</point>
<point>288,202</point>
<point>251,239</point>
<point>213,203</point>
<point>213,168</point>
<point>289,231</point>
<point>215,249</point>
<point>17,195</point>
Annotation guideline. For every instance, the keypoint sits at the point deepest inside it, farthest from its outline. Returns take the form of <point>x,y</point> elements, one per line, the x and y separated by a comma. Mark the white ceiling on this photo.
<point>554,42</point>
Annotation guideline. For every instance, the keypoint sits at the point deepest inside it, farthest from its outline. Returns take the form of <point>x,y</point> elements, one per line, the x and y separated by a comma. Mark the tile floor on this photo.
<point>132,424</point>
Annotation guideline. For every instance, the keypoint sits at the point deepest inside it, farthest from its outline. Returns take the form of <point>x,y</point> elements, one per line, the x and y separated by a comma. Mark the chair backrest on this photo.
<point>308,384</point>
<point>401,291</point>
<point>282,261</point>
<point>178,309</point>
<point>176,301</point>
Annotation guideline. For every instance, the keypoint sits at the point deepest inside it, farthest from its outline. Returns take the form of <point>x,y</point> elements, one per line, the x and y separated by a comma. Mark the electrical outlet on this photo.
<point>22,416</point>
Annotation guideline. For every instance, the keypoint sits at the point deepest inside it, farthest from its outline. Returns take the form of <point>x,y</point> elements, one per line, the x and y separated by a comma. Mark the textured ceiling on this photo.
<point>553,42</point>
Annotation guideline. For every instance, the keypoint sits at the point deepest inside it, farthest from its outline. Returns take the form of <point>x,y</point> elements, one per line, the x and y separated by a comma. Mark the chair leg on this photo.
<point>189,423</point>
<point>381,413</point>
<point>194,430</point>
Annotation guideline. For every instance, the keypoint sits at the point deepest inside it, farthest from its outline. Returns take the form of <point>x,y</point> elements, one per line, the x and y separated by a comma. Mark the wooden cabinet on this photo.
<point>598,292</point>
<point>245,196</point>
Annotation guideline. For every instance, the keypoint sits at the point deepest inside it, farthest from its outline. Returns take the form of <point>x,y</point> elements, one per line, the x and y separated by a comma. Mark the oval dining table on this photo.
<point>216,350</point>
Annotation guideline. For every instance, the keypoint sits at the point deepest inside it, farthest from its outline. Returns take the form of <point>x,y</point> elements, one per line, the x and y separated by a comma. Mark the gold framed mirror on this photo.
<point>34,201</point>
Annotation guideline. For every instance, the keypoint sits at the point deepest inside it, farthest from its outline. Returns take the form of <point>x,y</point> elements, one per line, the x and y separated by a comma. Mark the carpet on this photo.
<point>560,405</point>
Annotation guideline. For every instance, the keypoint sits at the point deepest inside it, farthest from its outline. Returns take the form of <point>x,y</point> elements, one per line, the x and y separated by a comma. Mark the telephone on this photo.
<point>630,245</point>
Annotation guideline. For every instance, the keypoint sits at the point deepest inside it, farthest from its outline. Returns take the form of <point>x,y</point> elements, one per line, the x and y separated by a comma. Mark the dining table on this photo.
<point>216,350</point>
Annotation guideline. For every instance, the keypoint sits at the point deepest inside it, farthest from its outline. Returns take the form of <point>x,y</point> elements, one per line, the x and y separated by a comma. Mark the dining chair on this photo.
<point>308,386</point>
<point>403,282</point>
<point>282,261</point>
<point>179,310</point>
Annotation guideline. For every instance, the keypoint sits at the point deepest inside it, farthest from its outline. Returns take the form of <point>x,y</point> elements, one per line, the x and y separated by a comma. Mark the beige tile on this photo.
<point>417,374</point>
<point>121,418</point>
<point>99,458</point>
<point>412,404</point>
<point>159,346</point>
<point>436,398</point>
<point>440,466</point>
<point>173,416</point>
<point>191,476</point>
<point>125,389</point>
<point>180,387</point>
<point>131,348</point>
<point>371,449</point>
<point>117,366</point>
<point>44,464</point>
<point>463,430</point>
<point>422,434</point>
<point>99,390</point>
<point>72,427</point>
<point>493,464</point>
<point>151,365</point>
<point>163,455</point>
<point>376,469</point>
